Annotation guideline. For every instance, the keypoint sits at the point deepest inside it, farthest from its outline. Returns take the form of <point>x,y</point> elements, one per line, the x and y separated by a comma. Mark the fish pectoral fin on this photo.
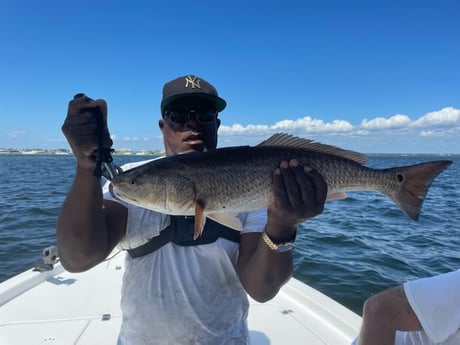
<point>200,218</point>
<point>230,220</point>
<point>336,196</point>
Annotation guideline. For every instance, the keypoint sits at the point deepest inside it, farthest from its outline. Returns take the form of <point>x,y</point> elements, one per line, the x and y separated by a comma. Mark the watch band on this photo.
<point>277,247</point>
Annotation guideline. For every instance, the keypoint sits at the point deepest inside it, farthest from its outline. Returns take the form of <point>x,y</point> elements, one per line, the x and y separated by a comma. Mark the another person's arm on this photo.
<point>431,305</point>
<point>384,314</point>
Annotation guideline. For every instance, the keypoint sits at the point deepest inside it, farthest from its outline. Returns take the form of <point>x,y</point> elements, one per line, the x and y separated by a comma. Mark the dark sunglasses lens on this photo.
<point>182,117</point>
<point>206,117</point>
<point>178,117</point>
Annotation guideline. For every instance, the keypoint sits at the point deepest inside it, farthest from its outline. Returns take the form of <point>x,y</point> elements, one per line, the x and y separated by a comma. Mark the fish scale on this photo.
<point>239,179</point>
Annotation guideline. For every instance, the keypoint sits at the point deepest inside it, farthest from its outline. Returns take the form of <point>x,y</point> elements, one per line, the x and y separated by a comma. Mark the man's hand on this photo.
<point>299,193</point>
<point>80,129</point>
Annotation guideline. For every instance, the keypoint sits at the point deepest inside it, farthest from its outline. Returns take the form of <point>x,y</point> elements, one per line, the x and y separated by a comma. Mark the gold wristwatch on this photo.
<point>280,247</point>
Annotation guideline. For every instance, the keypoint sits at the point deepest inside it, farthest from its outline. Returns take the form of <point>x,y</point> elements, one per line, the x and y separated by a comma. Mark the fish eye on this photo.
<point>132,183</point>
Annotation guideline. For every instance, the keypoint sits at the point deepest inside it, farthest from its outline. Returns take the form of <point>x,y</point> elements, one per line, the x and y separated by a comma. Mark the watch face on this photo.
<point>285,247</point>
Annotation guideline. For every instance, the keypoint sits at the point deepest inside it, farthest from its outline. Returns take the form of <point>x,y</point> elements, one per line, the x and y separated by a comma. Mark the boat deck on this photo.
<point>59,307</point>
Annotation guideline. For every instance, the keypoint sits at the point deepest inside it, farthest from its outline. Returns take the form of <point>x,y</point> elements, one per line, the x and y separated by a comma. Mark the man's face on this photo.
<point>189,124</point>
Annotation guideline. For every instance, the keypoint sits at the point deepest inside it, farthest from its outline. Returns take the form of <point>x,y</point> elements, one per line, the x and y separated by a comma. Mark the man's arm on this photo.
<point>88,228</point>
<point>384,314</point>
<point>298,194</point>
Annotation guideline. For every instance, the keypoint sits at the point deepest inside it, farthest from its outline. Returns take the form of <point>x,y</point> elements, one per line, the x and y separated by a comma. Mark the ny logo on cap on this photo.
<point>193,81</point>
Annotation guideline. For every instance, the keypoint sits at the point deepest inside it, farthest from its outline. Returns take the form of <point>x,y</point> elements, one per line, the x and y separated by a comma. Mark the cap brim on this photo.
<point>217,102</point>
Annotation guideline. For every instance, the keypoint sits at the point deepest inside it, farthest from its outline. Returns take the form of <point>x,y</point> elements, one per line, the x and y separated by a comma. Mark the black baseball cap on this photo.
<point>191,85</point>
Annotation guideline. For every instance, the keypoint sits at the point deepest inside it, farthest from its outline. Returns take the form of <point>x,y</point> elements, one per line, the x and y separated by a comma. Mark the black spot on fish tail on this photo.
<point>414,182</point>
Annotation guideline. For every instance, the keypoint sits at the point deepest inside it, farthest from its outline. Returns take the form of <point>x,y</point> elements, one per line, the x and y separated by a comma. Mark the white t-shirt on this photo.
<point>182,295</point>
<point>436,302</point>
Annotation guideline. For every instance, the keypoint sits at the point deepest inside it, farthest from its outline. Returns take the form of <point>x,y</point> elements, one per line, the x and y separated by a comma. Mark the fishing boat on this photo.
<point>49,305</point>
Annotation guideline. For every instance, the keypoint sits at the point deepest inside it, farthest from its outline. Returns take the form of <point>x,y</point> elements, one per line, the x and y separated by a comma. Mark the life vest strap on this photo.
<point>180,231</point>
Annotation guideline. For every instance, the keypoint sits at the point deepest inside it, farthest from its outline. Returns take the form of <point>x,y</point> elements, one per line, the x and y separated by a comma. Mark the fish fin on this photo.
<point>336,196</point>
<point>286,140</point>
<point>228,219</point>
<point>200,218</point>
<point>414,182</point>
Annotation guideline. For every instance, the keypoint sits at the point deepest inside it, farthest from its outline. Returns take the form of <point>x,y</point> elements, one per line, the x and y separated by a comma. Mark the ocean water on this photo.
<point>357,247</point>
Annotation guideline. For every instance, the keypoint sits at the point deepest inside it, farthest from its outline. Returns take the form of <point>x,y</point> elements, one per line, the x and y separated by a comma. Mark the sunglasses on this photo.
<point>181,117</point>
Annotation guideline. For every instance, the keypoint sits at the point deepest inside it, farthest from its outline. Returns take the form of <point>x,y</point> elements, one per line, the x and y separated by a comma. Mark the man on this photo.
<point>179,293</point>
<point>424,312</point>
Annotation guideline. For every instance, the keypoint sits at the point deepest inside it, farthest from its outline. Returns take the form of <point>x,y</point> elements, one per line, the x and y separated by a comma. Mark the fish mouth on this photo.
<point>118,195</point>
<point>114,193</point>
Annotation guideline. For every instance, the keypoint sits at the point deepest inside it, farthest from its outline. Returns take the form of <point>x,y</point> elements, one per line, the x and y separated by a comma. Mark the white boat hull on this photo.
<point>59,307</point>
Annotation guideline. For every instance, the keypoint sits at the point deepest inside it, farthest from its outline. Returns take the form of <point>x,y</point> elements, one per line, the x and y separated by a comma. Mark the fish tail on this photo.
<point>414,182</point>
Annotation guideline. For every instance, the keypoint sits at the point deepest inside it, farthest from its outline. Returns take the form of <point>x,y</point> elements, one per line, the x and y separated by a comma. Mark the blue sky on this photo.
<point>372,76</point>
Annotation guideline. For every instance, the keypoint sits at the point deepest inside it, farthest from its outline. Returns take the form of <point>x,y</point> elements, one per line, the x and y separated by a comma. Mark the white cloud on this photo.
<point>309,124</point>
<point>441,118</point>
<point>435,123</point>
<point>362,132</point>
<point>429,133</point>
<point>302,125</point>
<point>393,122</point>
<point>238,129</point>
<point>57,140</point>
<point>15,134</point>
<point>133,138</point>
<point>436,131</point>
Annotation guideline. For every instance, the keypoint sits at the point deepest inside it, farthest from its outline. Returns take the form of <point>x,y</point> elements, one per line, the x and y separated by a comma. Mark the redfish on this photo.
<point>225,181</point>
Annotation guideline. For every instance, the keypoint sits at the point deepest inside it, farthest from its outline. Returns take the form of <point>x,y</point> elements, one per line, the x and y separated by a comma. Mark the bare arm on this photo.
<point>384,314</point>
<point>88,228</point>
<point>298,194</point>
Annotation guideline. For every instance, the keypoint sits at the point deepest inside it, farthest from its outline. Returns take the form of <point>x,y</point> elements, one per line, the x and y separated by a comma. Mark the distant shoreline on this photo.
<point>65,152</point>
<point>156,153</point>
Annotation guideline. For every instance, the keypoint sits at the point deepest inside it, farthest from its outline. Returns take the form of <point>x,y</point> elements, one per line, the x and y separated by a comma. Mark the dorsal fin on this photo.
<point>287,140</point>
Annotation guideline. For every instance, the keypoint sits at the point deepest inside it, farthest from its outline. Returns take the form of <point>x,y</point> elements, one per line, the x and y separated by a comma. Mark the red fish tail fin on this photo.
<point>414,182</point>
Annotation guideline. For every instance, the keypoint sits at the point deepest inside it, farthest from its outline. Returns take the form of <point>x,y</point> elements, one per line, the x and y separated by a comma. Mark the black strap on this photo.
<point>180,231</point>
<point>155,243</point>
